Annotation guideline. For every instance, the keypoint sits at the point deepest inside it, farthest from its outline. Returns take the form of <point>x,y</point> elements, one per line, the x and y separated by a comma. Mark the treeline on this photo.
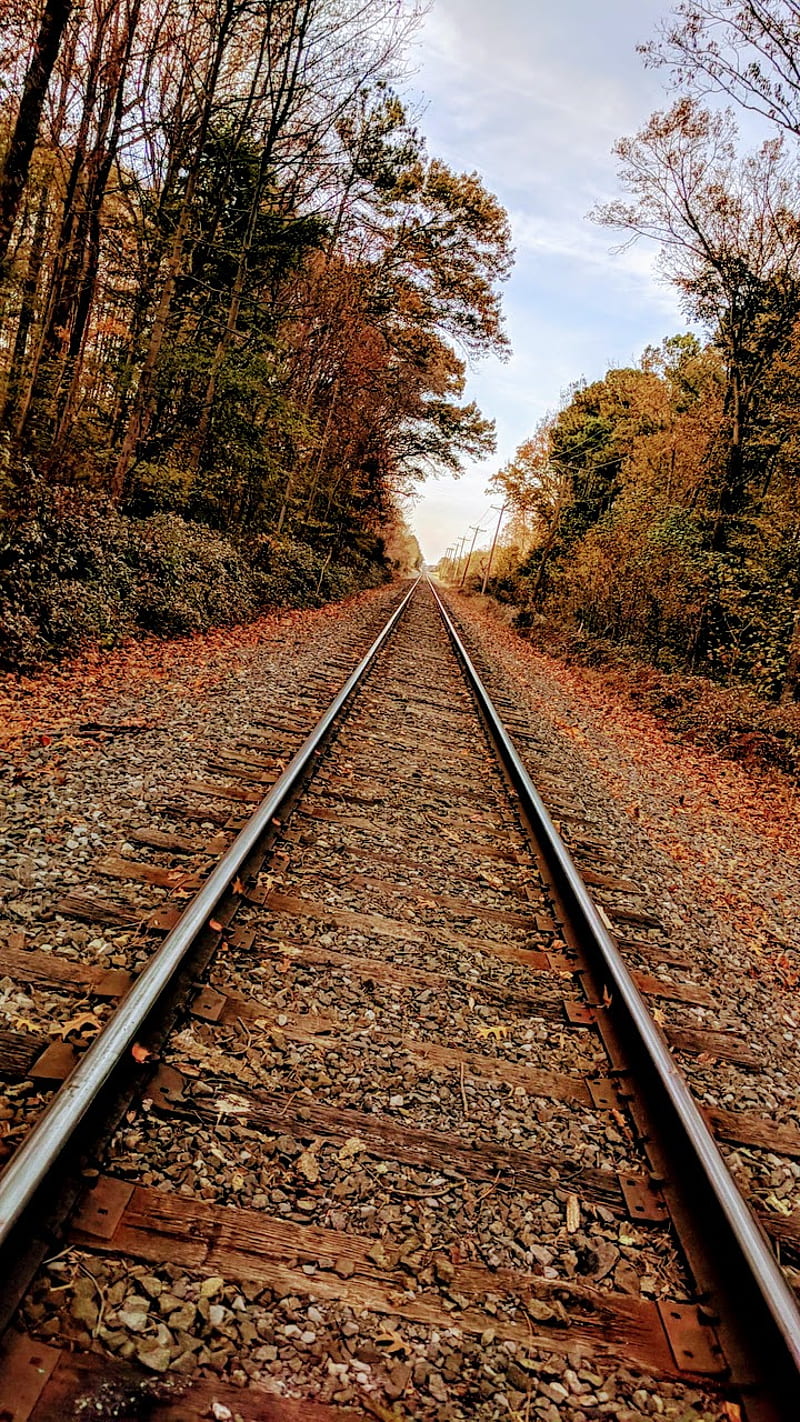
<point>234,282</point>
<point>659,506</point>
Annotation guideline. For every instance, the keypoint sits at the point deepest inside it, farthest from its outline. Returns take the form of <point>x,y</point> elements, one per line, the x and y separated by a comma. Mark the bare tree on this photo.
<point>730,241</point>
<point>747,49</point>
<point>102,57</point>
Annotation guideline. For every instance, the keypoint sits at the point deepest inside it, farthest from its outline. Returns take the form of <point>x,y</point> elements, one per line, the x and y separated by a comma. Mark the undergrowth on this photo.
<point>730,719</point>
<point>75,574</point>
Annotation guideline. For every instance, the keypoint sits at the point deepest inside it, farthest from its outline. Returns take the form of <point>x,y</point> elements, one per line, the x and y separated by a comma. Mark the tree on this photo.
<point>17,161</point>
<point>746,49</point>
<point>317,61</point>
<point>241,291</point>
<point>312,59</point>
<point>419,256</point>
<point>537,488</point>
<point>730,241</point>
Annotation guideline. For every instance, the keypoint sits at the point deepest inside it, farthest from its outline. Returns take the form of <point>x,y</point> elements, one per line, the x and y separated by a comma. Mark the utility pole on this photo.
<point>475,531</point>
<point>457,556</point>
<point>494,545</point>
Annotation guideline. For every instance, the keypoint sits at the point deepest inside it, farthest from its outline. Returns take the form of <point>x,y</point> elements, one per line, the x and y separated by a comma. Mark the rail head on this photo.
<point>50,1138</point>
<point>764,1322</point>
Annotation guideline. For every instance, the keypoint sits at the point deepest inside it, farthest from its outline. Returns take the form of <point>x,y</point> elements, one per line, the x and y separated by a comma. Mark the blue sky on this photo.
<point>533,94</point>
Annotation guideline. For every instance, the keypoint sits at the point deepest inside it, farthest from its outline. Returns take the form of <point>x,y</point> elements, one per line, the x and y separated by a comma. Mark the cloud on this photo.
<point>533,96</point>
<point>526,85</point>
<point>587,251</point>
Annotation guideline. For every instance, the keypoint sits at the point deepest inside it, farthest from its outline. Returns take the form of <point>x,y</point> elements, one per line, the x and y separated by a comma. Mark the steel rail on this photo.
<point>42,1149</point>
<point>756,1303</point>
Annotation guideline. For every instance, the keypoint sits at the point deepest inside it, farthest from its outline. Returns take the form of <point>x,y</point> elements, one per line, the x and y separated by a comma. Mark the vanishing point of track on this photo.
<point>394,975</point>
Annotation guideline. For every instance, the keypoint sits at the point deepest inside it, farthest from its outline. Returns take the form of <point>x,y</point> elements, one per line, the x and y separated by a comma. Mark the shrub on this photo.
<point>75,572</point>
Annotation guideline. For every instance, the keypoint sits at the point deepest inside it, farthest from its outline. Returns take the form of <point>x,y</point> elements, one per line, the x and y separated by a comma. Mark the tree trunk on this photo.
<point>29,116</point>
<point>56,310</point>
<point>27,310</point>
<point>731,495</point>
<point>284,90</point>
<point>100,166</point>
<point>547,549</point>
<point>791,677</point>
<point>143,402</point>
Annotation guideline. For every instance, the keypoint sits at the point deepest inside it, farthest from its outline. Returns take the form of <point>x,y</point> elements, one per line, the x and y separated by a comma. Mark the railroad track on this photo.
<point>385,1127</point>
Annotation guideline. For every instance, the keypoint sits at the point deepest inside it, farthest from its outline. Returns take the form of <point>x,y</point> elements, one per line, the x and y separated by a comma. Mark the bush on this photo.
<point>74,572</point>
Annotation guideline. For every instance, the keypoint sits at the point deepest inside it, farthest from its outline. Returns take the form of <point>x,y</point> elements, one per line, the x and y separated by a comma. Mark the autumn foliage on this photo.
<point>237,291</point>
<point>658,507</point>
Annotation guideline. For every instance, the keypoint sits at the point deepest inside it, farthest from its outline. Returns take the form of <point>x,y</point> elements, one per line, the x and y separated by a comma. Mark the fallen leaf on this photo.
<point>217,927</point>
<point>543,1310</point>
<point>24,1024</point>
<point>351,1148</point>
<point>781,1207</point>
<point>77,1024</point>
<point>497,1032</point>
<point>391,1341</point>
<point>140,1054</point>
<point>573,1214</point>
<point>307,1164</point>
<point>231,1106</point>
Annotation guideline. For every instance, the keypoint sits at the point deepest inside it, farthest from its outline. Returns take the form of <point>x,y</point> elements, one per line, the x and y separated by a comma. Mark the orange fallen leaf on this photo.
<point>79,1024</point>
<point>139,1053</point>
<point>213,923</point>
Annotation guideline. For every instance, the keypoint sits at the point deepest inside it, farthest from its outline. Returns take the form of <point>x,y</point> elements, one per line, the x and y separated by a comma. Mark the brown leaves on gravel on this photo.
<point>765,799</point>
<point>701,810</point>
<point>72,705</point>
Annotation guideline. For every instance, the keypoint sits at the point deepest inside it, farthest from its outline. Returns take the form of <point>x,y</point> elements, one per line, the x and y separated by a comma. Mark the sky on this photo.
<point>533,94</point>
